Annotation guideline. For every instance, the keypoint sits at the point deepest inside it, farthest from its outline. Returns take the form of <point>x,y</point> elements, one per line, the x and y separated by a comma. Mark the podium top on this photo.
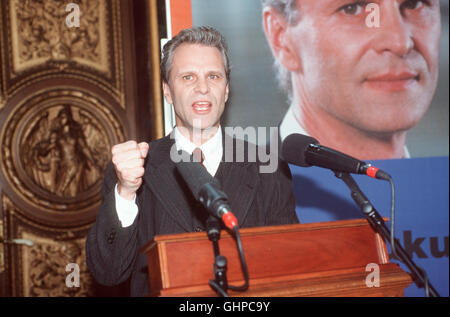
<point>284,259</point>
<point>264,231</point>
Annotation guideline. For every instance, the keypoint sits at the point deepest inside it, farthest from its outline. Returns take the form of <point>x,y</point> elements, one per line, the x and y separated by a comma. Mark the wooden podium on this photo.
<point>318,259</point>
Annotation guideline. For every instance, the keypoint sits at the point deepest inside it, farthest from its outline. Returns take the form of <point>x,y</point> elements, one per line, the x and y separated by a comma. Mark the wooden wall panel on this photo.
<point>67,94</point>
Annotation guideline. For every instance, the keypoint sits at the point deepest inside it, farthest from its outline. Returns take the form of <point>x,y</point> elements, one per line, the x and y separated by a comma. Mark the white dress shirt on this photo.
<point>212,150</point>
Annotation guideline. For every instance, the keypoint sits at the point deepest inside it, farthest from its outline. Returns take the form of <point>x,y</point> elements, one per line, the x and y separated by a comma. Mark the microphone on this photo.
<point>206,189</point>
<point>302,150</point>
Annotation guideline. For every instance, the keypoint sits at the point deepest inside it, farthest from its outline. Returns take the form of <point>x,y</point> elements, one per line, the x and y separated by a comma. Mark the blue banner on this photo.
<point>421,208</point>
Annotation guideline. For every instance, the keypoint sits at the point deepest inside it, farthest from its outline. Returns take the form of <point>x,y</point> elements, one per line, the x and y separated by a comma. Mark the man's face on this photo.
<point>375,79</point>
<point>198,87</point>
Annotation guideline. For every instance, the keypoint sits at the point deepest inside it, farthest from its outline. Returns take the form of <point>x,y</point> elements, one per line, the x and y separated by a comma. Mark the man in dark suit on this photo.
<point>144,195</point>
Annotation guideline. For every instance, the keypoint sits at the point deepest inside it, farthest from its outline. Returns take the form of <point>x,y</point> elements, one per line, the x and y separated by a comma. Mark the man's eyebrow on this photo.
<point>344,2</point>
<point>335,4</point>
<point>182,72</point>
<point>218,71</point>
<point>195,72</point>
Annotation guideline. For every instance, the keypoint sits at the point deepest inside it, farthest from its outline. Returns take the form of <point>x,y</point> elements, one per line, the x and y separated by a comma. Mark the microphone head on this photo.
<point>294,148</point>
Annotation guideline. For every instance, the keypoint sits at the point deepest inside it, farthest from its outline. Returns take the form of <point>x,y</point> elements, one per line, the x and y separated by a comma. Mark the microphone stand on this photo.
<point>378,224</point>
<point>219,284</point>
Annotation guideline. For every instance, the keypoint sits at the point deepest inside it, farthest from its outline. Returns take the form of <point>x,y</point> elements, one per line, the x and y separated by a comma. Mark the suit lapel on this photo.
<point>239,181</point>
<point>164,181</point>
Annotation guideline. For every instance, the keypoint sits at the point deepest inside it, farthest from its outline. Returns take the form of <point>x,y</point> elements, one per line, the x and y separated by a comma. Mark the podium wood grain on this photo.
<point>317,259</point>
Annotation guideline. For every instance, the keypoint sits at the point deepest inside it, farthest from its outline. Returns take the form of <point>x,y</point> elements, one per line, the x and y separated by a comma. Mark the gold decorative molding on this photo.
<point>62,106</point>
<point>2,249</point>
<point>156,76</point>
<point>40,270</point>
<point>64,150</point>
<point>2,65</point>
<point>55,147</point>
<point>40,34</point>
<point>37,45</point>
<point>44,266</point>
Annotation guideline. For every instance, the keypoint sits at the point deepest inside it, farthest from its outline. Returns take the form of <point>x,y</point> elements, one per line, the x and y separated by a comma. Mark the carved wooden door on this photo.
<point>67,94</point>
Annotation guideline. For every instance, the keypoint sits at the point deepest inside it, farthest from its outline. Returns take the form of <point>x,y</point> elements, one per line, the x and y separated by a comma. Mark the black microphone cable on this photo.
<point>419,275</point>
<point>392,238</point>
<point>245,286</point>
<point>207,190</point>
<point>394,251</point>
<point>244,267</point>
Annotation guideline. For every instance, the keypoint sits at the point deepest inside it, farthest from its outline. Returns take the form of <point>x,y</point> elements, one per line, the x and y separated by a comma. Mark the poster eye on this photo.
<point>352,9</point>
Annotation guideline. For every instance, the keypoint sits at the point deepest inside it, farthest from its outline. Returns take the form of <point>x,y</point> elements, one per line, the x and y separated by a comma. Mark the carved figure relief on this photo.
<point>63,155</point>
<point>55,147</point>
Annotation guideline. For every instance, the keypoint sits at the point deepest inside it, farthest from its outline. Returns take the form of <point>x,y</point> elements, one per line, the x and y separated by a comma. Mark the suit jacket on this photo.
<point>167,206</point>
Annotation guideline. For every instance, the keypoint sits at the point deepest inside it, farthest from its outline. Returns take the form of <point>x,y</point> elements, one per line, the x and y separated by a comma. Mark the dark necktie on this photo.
<point>198,156</point>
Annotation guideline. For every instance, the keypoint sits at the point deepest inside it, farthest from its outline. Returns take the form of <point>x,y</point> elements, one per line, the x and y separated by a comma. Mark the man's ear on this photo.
<point>227,91</point>
<point>280,41</point>
<point>167,94</point>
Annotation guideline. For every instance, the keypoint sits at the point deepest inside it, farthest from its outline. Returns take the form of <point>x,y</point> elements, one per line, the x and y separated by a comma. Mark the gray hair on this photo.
<point>203,35</point>
<point>288,10</point>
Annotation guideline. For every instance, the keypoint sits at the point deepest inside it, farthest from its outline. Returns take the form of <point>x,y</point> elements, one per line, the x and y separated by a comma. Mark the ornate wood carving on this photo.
<point>66,96</point>
<point>2,249</point>
<point>64,155</point>
<point>42,267</point>
<point>41,46</point>
<point>55,147</point>
<point>40,34</point>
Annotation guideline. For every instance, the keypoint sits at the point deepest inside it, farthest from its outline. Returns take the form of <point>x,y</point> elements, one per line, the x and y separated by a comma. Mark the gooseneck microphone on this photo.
<point>302,150</point>
<point>207,190</point>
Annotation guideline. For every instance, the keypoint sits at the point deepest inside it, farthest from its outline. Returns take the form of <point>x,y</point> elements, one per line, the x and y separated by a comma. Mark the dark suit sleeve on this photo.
<point>110,249</point>
<point>282,200</point>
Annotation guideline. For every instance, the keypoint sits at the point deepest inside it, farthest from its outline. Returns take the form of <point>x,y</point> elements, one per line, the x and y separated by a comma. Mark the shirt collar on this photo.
<point>209,147</point>
<point>212,149</point>
<point>290,125</point>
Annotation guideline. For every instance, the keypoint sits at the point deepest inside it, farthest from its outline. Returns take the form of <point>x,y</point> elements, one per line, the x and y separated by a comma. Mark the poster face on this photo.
<point>374,91</point>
